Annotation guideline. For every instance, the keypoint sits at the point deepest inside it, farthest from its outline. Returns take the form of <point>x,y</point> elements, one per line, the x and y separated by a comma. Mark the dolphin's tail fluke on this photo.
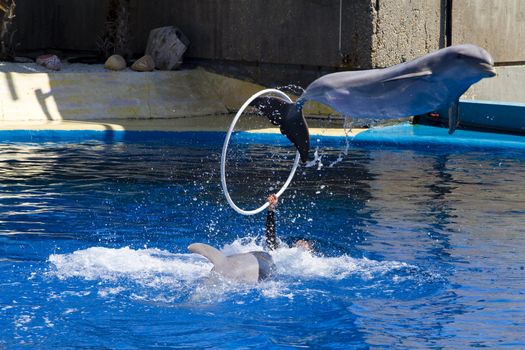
<point>273,108</point>
<point>210,253</point>
<point>289,117</point>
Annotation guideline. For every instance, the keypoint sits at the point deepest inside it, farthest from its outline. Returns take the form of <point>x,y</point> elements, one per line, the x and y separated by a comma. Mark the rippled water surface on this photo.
<point>414,248</point>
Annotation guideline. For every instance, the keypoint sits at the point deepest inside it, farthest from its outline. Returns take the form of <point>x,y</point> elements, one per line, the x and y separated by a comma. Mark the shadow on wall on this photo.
<point>103,99</point>
<point>41,98</point>
<point>33,100</point>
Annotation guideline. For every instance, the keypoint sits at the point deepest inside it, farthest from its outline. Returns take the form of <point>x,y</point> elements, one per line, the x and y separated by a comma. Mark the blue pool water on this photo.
<point>415,247</point>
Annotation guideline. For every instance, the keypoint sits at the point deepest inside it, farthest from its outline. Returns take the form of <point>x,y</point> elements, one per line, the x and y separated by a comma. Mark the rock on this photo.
<point>49,61</point>
<point>115,62</point>
<point>144,64</point>
<point>167,46</point>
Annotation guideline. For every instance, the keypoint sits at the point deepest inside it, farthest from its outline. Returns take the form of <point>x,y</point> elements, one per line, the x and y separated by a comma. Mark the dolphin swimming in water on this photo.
<point>424,85</point>
<point>245,267</point>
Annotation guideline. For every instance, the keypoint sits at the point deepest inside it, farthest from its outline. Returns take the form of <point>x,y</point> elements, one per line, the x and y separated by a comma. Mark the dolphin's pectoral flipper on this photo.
<point>410,75</point>
<point>289,117</point>
<point>453,117</point>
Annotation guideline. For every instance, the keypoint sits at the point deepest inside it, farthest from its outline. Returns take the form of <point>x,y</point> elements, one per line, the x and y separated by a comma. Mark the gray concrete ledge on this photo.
<point>82,94</point>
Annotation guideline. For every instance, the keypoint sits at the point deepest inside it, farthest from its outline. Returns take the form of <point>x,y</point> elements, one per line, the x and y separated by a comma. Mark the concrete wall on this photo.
<point>264,31</point>
<point>507,86</point>
<point>60,24</point>
<point>295,32</point>
<point>406,29</point>
<point>499,27</point>
<point>286,39</point>
<point>302,32</point>
<point>496,25</point>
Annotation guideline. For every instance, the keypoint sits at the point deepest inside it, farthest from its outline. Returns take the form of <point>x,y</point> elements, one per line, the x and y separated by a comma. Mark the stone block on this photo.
<point>167,46</point>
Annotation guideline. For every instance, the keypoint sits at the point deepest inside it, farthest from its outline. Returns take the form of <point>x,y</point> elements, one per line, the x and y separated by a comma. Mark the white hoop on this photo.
<point>225,150</point>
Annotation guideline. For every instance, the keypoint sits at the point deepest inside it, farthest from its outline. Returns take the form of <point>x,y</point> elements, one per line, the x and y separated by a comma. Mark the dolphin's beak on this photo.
<point>488,69</point>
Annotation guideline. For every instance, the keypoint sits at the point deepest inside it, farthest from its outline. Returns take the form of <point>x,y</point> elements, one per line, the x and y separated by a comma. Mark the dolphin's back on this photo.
<point>239,267</point>
<point>380,93</point>
<point>266,265</point>
<point>410,88</point>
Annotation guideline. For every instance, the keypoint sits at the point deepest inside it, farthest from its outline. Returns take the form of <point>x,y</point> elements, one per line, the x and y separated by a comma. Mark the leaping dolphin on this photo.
<point>427,84</point>
<point>245,267</point>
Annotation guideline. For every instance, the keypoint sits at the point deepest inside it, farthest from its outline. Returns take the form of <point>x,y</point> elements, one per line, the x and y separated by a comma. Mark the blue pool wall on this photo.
<point>401,135</point>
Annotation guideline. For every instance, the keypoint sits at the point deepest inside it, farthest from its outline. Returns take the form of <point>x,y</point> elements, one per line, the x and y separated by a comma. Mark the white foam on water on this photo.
<point>170,277</point>
<point>48,322</point>
<point>104,292</point>
<point>22,320</point>
<point>148,265</point>
<point>298,262</point>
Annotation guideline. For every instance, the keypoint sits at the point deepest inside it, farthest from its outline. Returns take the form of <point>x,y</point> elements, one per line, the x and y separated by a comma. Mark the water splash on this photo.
<point>145,266</point>
<point>292,89</point>
<point>347,127</point>
<point>160,276</point>
<point>316,161</point>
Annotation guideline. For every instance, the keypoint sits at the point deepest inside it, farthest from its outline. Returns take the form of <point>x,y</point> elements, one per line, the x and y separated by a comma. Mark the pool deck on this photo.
<point>255,129</point>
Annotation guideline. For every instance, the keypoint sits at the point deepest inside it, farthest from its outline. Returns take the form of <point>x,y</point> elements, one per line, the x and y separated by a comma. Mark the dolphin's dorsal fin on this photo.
<point>210,253</point>
<point>411,75</point>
